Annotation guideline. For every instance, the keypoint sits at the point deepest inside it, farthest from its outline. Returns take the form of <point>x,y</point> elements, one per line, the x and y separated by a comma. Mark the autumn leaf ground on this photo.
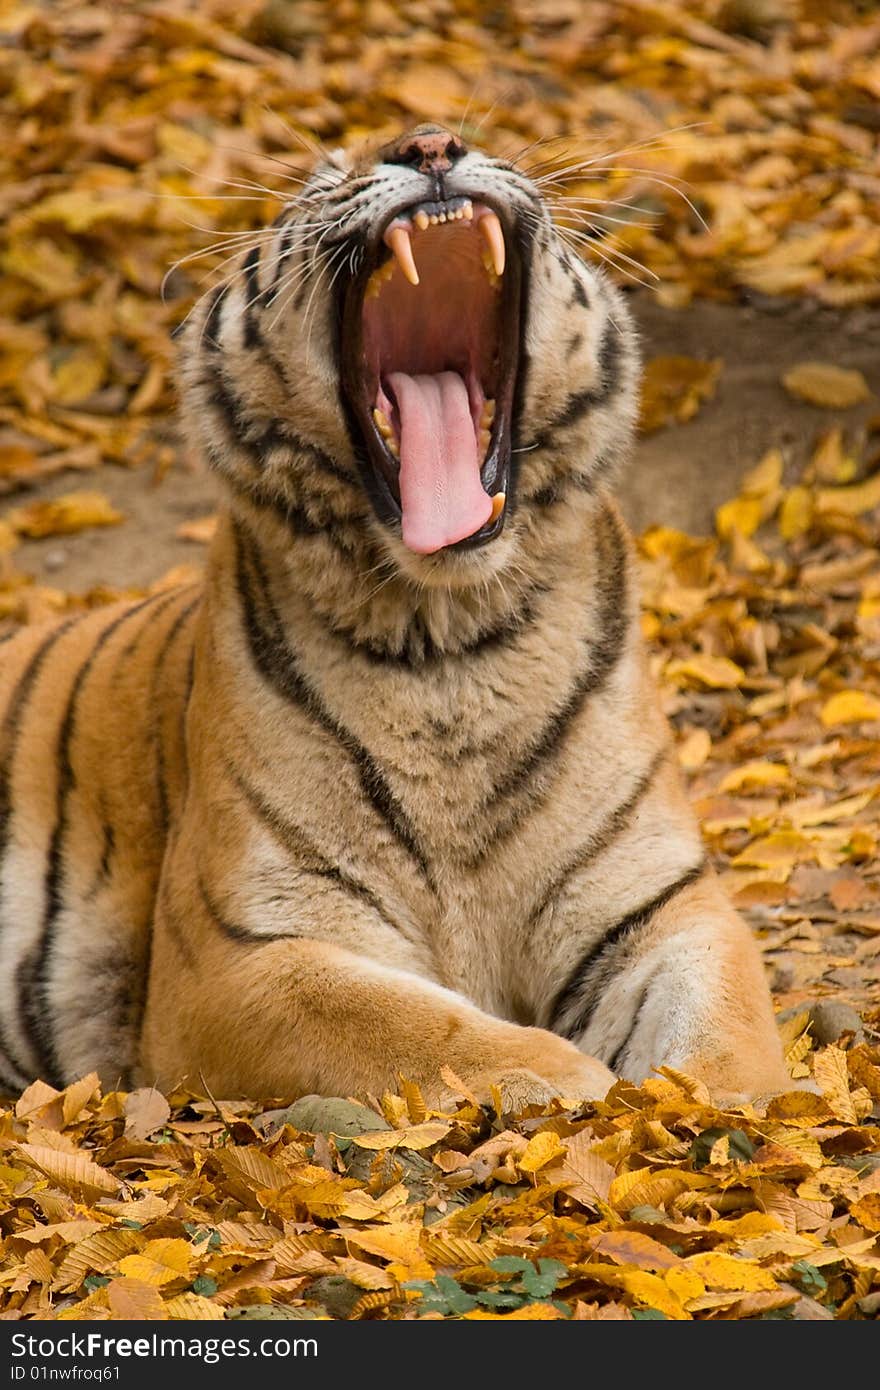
<point>125,123</point>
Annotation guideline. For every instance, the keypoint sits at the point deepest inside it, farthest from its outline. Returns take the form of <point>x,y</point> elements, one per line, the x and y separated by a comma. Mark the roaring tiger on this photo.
<point>391,791</point>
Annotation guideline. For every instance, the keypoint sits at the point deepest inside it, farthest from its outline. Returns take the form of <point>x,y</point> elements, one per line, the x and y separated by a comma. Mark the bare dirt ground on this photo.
<point>679,475</point>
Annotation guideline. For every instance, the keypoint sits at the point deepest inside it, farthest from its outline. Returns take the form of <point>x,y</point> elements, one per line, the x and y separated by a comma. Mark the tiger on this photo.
<point>390,792</point>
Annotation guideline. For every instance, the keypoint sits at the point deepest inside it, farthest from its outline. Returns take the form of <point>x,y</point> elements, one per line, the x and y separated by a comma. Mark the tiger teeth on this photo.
<point>398,241</point>
<point>487,415</point>
<point>382,423</point>
<point>490,230</point>
<point>498,502</point>
<point>422,220</point>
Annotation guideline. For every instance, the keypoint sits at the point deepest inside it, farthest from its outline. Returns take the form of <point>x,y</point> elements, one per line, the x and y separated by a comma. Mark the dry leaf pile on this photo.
<point>733,150</point>
<point>651,1204</point>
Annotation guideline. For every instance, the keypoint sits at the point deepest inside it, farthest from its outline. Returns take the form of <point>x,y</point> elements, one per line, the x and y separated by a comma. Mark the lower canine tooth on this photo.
<point>382,423</point>
<point>498,502</point>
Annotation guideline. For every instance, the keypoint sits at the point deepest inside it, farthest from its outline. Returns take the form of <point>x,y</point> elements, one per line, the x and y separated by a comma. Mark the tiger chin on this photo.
<point>390,792</point>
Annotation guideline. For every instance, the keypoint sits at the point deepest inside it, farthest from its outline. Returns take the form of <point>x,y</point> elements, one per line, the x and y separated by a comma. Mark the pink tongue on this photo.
<point>441,495</point>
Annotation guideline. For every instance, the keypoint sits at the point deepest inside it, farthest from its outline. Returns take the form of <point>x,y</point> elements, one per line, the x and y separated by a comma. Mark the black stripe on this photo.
<point>615,823</point>
<point>161,600</point>
<point>584,984</point>
<point>621,1050</point>
<point>418,651</point>
<point>232,930</point>
<point>253,297</point>
<point>260,434</point>
<point>177,930</point>
<point>155,735</point>
<point>577,405</point>
<point>277,664</point>
<point>294,839</point>
<point>211,329</point>
<point>602,656</point>
<point>284,249</point>
<point>8,736</point>
<point>34,972</point>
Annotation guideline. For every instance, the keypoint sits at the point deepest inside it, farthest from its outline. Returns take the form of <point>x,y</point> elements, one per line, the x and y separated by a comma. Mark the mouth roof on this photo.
<point>431,342</point>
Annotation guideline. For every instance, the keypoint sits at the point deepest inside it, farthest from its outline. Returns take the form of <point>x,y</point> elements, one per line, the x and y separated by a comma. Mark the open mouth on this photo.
<point>430,353</point>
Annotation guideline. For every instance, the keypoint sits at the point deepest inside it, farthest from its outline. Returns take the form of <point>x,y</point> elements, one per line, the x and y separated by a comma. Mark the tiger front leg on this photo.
<point>291,1015</point>
<point>679,984</point>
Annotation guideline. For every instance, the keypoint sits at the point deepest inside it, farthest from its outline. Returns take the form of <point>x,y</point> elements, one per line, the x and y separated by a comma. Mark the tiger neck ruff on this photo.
<point>391,791</point>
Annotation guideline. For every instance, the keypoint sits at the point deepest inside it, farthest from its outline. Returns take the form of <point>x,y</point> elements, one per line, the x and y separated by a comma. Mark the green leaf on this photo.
<point>132,1225</point>
<point>443,1295</point>
<point>541,1285</point>
<point>811,1280</point>
<point>490,1298</point>
<point>649,1315</point>
<point>204,1285</point>
<point>511,1264</point>
<point>740,1147</point>
<point>96,1281</point>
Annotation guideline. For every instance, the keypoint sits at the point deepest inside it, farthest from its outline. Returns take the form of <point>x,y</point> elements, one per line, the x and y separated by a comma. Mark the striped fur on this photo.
<point>345,811</point>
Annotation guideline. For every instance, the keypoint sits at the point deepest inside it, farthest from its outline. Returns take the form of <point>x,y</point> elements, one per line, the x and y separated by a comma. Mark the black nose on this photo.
<point>428,148</point>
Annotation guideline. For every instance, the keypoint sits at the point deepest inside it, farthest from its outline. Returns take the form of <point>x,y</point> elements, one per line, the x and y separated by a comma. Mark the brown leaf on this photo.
<point>146,1110</point>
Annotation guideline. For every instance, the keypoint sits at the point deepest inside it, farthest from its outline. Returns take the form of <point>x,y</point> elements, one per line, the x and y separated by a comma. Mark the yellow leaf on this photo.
<point>851,501</point>
<point>131,1300</point>
<point>867,1211</point>
<point>832,1075</point>
<point>191,1307</point>
<point>648,1289</point>
<point>694,750</point>
<point>796,515</point>
<point>756,774</point>
<point>541,1149</point>
<point>716,672</point>
<point>94,1255</point>
<point>582,1174</point>
<point>821,383</point>
<point>77,1096</point>
<point>850,707</point>
<point>78,376</point>
<point>399,1243</point>
<point>674,387</point>
<point>160,1262</point>
<point>742,514</point>
<point>634,1248</point>
<point>415,1101</point>
<point>727,1272</point>
<point>70,1170</point>
<point>201,530</point>
<point>799,1107</point>
<point>831,462</point>
<point>63,515</point>
<point>532,1312</point>
<point>764,479</point>
<point>415,1137</point>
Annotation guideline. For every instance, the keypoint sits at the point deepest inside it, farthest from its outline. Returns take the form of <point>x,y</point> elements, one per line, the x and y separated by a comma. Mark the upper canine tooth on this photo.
<point>397,238</point>
<point>490,227</point>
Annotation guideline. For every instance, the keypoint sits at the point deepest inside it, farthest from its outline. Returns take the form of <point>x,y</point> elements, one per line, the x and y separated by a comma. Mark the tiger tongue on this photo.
<point>441,497</point>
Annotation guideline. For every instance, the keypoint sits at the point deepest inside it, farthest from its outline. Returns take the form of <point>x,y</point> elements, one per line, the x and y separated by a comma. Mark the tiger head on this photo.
<point>413,356</point>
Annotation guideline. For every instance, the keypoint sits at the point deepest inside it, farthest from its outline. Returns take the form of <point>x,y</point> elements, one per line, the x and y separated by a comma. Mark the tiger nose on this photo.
<point>430,149</point>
